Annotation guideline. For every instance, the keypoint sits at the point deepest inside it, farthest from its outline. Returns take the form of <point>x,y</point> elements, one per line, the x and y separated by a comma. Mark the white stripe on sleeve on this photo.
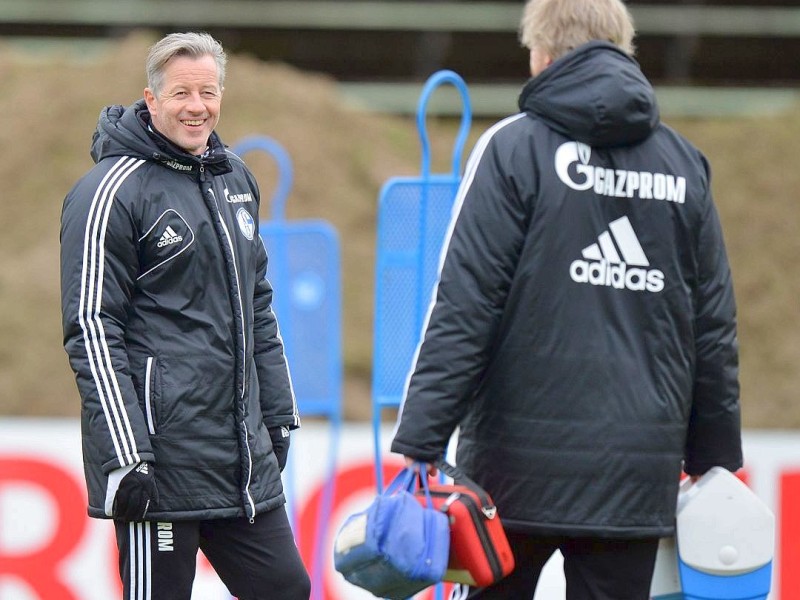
<point>90,304</point>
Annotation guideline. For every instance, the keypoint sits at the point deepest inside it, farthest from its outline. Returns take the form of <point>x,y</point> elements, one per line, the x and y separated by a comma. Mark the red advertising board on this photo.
<point>50,549</point>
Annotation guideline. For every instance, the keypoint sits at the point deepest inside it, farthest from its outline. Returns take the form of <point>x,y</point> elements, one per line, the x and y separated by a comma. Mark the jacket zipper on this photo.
<point>250,503</point>
<point>148,395</point>
<point>236,277</point>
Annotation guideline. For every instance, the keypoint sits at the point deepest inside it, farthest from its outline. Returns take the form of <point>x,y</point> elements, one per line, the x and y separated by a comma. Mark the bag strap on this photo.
<point>423,478</point>
<point>406,480</point>
<point>488,507</point>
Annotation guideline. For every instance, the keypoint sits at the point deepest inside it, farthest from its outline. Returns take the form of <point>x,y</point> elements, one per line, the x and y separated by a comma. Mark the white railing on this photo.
<point>491,100</point>
<point>663,19</point>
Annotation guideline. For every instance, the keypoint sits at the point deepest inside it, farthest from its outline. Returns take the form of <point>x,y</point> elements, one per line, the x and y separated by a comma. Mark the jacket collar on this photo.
<point>127,131</point>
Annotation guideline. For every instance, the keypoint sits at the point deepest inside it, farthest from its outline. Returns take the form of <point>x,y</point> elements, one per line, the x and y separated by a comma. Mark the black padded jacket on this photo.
<point>582,335</point>
<point>168,323</point>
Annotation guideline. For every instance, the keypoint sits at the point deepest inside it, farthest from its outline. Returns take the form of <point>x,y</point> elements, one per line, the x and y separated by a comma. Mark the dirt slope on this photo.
<point>341,158</point>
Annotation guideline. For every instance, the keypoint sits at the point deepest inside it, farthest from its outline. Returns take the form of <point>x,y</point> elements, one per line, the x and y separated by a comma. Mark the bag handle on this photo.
<point>406,481</point>
<point>488,507</point>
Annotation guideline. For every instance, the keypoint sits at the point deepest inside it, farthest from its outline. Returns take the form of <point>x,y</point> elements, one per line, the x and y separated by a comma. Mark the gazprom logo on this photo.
<point>173,164</point>
<point>573,169</point>
<point>578,154</point>
<point>237,198</point>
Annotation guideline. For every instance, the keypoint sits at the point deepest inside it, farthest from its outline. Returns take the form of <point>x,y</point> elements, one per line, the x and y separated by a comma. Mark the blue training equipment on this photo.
<point>413,217</point>
<point>305,271</point>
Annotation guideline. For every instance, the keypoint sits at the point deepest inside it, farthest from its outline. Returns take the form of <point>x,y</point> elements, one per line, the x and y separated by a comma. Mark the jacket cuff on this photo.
<point>113,464</point>
<point>422,455</point>
<point>292,422</point>
<point>701,468</point>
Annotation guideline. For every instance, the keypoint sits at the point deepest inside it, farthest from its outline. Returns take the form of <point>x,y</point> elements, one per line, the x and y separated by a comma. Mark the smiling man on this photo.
<point>184,100</point>
<point>186,398</point>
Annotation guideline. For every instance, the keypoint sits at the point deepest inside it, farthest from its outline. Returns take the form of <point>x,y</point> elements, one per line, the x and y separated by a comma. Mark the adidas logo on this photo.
<point>142,468</point>
<point>617,260</point>
<point>169,237</point>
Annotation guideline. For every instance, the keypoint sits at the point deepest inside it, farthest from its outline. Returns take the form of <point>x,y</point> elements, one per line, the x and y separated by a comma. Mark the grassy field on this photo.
<point>341,158</point>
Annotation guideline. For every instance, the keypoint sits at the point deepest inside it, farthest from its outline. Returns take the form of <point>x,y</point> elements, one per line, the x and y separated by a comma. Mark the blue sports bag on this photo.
<point>397,546</point>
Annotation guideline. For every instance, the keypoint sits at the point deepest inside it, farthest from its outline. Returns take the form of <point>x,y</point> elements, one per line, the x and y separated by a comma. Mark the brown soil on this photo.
<point>341,159</point>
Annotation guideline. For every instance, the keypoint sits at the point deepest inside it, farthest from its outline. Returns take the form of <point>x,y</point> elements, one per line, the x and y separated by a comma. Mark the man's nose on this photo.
<point>195,103</point>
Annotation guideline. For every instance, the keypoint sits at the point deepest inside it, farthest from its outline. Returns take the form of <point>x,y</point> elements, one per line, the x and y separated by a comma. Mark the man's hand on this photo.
<point>432,470</point>
<point>137,491</point>
<point>280,444</point>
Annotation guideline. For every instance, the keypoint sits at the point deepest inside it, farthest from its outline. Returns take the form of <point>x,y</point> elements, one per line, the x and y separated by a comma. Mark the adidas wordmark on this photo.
<point>617,260</point>
<point>169,237</point>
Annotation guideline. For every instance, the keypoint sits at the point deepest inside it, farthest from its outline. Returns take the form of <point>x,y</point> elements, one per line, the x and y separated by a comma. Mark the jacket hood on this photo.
<point>595,94</point>
<point>126,131</point>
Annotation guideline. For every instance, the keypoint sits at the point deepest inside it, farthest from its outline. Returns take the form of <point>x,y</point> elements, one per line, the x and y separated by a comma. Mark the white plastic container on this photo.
<point>725,539</point>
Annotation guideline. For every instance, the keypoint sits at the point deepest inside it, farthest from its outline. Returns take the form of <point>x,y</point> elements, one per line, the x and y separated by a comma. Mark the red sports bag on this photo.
<point>479,550</point>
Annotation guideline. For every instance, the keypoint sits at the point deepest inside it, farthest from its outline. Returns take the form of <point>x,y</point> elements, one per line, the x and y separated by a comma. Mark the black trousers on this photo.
<point>594,569</point>
<point>256,561</point>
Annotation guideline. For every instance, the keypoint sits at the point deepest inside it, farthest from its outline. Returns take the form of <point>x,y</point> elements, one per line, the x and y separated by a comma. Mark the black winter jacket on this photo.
<point>168,323</point>
<point>583,332</point>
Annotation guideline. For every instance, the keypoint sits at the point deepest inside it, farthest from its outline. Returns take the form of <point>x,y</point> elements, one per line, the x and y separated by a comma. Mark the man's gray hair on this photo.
<point>194,45</point>
<point>559,26</point>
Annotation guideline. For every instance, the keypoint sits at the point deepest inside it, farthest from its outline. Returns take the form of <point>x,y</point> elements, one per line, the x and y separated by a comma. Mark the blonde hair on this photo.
<point>195,45</point>
<point>559,26</point>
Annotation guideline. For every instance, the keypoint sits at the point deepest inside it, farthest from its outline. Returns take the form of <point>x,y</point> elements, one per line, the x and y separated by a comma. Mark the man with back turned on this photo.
<point>582,334</point>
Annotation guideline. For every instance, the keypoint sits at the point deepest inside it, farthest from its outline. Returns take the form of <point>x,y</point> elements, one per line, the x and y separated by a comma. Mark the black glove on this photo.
<point>280,444</point>
<point>136,492</point>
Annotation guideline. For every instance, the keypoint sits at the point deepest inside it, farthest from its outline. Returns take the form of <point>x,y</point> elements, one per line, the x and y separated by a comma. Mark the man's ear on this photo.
<point>150,100</point>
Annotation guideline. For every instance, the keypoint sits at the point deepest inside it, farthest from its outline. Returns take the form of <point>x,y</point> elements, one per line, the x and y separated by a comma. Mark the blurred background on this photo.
<point>336,84</point>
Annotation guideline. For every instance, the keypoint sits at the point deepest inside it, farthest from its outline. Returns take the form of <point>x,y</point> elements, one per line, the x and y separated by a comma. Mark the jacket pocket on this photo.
<point>149,394</point>
<point>169,237</point>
